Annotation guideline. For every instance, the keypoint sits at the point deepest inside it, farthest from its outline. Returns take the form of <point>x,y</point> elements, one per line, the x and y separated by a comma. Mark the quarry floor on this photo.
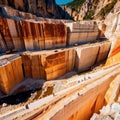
<point>24,94</point>
<point>30,89</point>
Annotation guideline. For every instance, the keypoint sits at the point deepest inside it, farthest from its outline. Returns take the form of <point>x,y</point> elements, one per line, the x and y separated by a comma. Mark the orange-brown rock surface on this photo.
<point>31,35</point>
<point>76,100</point>
<point>55,35</point>
<point>113,91</point>
<point>11,72</point>
<point>5,33</point>
<point>48,64</point>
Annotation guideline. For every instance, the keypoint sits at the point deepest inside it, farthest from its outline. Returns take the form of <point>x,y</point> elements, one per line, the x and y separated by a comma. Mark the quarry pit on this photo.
<point>56,69</point>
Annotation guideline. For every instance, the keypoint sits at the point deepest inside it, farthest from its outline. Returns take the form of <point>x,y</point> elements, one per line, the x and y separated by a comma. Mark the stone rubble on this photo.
<point>108,112</point>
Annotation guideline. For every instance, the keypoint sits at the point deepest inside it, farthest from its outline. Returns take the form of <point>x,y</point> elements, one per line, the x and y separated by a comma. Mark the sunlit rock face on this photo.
<point>10,69</point>
<point>114,36</point>
<point>111,29</point>
<point>109,112</point>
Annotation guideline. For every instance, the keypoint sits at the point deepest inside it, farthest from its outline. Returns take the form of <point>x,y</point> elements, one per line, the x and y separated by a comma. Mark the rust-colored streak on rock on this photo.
<point>3,46</point>
<point>27,35</point>
<point>49,35</point>
<point>4,29</point>
<point>15,32</point>
<point>116,51</point>
<point>55,65</point>
<point>55,35</point>
<point>60,34</point>
<point>41,36</point>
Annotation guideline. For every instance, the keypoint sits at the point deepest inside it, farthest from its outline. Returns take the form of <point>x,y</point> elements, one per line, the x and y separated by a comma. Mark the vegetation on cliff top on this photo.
<point>89,15</point>
<point>76,4</point>
<point>108,8</point>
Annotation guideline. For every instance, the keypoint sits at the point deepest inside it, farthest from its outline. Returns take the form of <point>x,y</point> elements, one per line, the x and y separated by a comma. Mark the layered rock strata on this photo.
<point>34,35</point>
<point>76,99</point>
<point>56,63</point>
<point>52,64</point>
<point>82,32</point>
<point>31,35</point>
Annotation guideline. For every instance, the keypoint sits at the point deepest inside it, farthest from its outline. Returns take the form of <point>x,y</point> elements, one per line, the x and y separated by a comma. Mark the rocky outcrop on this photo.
<point>113,92</point>
<point>108,112</point>
<point>111,29</point>
<point>78,10</point>
<point>43,8</point>
<point>92,9</point>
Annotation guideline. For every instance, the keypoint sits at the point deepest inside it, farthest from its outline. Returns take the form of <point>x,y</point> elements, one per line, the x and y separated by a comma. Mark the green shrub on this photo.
<point>104,11</point>
<point>89,15</point>
<point>76,4</point>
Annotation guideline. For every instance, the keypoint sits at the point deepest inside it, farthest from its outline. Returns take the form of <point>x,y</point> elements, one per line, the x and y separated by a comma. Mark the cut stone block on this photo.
<point>86,57</point>
<point>82,32</point>
<point>48,64</point>
<point>11,73</point>
<point>103,51</point>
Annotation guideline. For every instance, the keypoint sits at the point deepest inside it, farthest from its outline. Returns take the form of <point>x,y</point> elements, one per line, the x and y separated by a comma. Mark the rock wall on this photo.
<point>41,8</point>
<point>112,31</point>
<point>11,72</point>
<point>31,35</point>
<point>49,64</point>
<point>56,63</point>
<point>83,61</point>
<point>20,35</point>
<point>92,9</point>
<point>82,32</point>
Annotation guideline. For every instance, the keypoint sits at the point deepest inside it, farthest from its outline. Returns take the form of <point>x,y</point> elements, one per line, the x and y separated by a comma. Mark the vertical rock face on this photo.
<point>11,72</point>
<point>83,61</point>
<point>92,9</point>
<point>49,65</point>
<point>5,32</point>
<point>44,8</point>
<point>112,32</point>
<point>16,35</point>
<point>55,35</point>
<point>82,32</point>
